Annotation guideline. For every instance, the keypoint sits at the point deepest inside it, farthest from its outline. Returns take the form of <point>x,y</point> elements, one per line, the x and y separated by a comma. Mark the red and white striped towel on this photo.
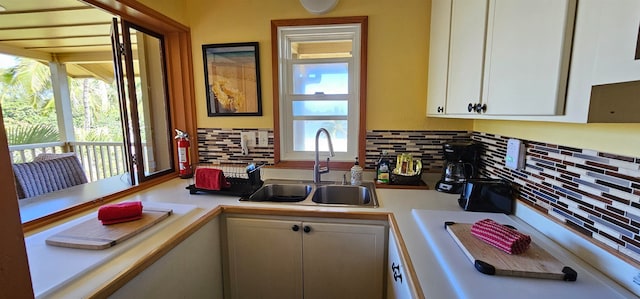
<point>502,237</point>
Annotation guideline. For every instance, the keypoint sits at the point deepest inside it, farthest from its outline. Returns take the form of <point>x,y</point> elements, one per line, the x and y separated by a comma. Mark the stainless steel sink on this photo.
<point>282,193</point>
<point>343,195</point>
<point>307,193</point>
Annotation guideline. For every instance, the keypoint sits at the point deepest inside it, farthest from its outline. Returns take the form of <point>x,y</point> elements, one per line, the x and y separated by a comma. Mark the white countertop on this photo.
<point>399,202</point>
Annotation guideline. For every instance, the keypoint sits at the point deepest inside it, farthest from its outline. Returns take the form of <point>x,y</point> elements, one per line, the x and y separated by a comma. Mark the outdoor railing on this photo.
<point>100,160</point>
<point>27,152</point>
<point>106,159</point>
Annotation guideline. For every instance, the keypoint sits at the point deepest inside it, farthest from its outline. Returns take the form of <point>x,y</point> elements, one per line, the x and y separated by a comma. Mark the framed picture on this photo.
<point>232,79</point>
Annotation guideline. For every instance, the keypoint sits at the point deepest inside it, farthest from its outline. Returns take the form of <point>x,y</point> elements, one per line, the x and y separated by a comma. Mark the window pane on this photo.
<point>304,135</point>
<point>320,108</point>
<point>152,103</point>
<point>322,49</point>
<point>327,78</point>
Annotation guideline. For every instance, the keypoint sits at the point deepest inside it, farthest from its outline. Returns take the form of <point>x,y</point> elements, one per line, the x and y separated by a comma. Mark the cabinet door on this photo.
<point>617,41</point>
<point>527,59</point>
<point>265,258</point>
<point>343,261</point>
<point>397,279</point>
<point>466,60</point>
<point>438,56</point>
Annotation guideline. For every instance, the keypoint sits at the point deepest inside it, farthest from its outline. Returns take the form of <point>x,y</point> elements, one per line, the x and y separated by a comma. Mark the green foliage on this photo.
<point>29,81</point>
<point>26,99</point>
<point>96,110</point>
<point>37,133</point>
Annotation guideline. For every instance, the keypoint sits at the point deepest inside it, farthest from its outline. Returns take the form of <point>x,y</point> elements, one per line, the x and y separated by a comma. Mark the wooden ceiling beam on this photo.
<point>97,71</point>
<point>55,26</point>
<point>30,11</point>
<point>85,57</point>
<point>33,54</point>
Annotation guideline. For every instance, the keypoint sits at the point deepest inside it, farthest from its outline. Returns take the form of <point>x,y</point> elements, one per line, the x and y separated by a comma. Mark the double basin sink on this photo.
<point>308,193</point>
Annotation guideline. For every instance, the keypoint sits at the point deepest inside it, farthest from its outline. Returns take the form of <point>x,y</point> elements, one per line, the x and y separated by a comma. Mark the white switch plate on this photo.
<point>263,138</point>
<point>515,154</point>
<point>250,137</point>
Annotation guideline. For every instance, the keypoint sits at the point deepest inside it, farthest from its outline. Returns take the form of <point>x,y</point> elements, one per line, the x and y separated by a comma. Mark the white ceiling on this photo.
<point>64,30</point>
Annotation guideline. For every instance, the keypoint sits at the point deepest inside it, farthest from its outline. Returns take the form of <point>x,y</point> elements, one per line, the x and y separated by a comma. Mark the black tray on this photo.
<point>239,187</point>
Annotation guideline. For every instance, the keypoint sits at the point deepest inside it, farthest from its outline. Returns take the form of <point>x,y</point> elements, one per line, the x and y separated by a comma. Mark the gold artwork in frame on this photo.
<point>232,79</point>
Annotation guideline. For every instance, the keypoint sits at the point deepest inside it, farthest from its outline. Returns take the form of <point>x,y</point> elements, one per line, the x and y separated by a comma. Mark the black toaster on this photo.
<point>487,195</point>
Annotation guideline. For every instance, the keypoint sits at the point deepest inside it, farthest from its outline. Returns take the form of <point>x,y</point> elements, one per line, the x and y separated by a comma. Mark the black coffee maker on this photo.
<point>462,159</point>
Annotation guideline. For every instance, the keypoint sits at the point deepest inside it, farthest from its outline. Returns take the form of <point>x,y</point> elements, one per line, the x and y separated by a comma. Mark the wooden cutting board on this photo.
<point>535,262</point>
<point>91,234</point>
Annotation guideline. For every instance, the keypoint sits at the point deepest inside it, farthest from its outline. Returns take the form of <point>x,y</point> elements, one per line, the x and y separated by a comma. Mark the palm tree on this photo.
<point>26,97</point>
<point>29,81</point>
<point>37,133</point>
<point>27,102</point>
<point>95,109</point>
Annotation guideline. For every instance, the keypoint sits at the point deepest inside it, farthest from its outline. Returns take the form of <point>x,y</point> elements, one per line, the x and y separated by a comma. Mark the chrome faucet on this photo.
<point>317,170</point>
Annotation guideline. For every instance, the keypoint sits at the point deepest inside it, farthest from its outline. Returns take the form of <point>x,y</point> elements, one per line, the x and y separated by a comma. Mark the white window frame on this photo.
<point>289,34</point>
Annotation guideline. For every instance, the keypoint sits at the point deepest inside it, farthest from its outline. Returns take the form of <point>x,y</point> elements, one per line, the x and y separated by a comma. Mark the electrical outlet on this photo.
<point>263,138</point>
<point>250,137</point>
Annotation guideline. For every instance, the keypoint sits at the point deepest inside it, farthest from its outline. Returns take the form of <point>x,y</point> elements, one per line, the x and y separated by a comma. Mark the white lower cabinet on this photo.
<point>189,270</point>
<point>272,258</point>
<point>397,278</point>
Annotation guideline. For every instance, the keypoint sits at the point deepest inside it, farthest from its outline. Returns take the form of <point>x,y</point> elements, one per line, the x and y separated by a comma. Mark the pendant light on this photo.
<point>318,7</point>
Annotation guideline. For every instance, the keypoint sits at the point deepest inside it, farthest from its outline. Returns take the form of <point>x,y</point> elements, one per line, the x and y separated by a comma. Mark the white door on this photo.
<point>265,258</point>
<point>343,261</point>
<point>466,60</point>
<point>617,42</point>
<point>438,56</point>
<point>397,278</point>
<point>527,56</point>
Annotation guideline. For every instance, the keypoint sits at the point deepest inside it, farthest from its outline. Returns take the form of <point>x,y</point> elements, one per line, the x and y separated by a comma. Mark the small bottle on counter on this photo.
<point>356,174</point>
<point>382,170</point>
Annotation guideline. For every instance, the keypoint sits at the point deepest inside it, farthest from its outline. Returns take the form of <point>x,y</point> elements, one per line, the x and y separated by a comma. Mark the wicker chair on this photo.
<point>48,175</point>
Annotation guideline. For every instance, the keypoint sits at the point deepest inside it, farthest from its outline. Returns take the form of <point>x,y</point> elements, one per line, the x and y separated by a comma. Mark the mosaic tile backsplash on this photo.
<point>425,145</point>
<point>596,194</point>
<point>222,146</point>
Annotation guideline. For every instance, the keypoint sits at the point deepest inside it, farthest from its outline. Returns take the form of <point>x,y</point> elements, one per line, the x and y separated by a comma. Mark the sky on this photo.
<point>6,61</point>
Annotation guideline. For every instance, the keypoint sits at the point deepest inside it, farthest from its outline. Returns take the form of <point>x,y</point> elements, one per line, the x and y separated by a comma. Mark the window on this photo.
<point>320,84</point>
<point>176,111</point>
<point>143,100</point>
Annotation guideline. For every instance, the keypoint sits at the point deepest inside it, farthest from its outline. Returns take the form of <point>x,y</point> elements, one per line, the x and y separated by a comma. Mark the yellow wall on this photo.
<point>397,60</point>
<point>397,69</point>
<point>175,9</point>
<point>621,139</point>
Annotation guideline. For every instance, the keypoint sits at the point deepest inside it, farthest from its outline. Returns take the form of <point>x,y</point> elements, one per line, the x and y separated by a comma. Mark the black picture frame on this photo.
<point>232,79</point>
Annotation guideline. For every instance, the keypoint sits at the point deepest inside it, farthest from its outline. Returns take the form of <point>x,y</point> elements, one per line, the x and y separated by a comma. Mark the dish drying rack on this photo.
<point>244,181</point>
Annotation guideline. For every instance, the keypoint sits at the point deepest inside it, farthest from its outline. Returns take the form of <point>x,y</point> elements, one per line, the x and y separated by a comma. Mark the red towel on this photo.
<point>210,179</point>
<point>504,238</point>
<point>120,212</point>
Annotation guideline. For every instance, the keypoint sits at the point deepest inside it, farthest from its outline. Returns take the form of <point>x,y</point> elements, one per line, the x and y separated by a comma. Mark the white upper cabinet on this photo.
<point>466,54</point>
<point>618,27</point>
<point>438,56</point>
<point>528,49</point>
<point>505,57</point>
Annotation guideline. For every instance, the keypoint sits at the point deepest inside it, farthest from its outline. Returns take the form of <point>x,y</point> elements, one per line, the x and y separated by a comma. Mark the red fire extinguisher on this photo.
<point>183,154</point>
